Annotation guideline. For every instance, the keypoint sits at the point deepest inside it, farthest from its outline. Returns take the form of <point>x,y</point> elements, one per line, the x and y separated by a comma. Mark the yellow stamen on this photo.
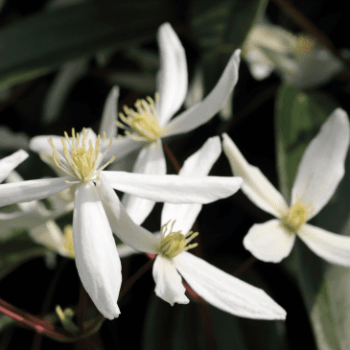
<point>141,124</point>
<point>174,243</point>
<point>296,216</point>
<point>68,240</point>
<point>81,160</point>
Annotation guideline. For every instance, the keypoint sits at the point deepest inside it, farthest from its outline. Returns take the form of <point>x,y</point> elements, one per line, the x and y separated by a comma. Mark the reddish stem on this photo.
<point>171,157</point>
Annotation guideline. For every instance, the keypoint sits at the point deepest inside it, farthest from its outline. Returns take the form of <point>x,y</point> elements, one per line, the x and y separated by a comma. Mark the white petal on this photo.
<point>201,162</point>
<point>69,73</point>
<point>322,165</point>
<point>203,111</point>
<point>125,251</point>
<point>172,76</point>
<point>151,160</point>
<point>269,241</point>
<point>226,292</point>
<point>184,215</point>
<point>255,185</point>
<point>122,147</point>
<point>110,114</point>
<point>9,163</point>
<point>174,188</point>
<point>96,253</point>
<point>329,246</point>
<point>40,144</point>
<point>197,165</point>
<point>27,191</point>
<point>135,236</point>
<point>169,285</point>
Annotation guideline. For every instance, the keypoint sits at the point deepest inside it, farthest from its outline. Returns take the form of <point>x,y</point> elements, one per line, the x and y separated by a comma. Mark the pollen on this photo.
<point>296,216</point>
<point>174,243</point>
<point>141,123</point>
<point>81,159</point>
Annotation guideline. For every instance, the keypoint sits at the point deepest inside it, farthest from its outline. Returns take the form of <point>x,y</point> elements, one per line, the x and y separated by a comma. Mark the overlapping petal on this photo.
<point>173,188</point>
<point>31,190</point>
<point>269,241</point>
<point>40,144</point>
<point>226,292</point>
<point>9,163</point>
<point>256,186</point>
<point>172,77</point>
<point>322,165</point>
<point>122,225</point>
<point>96,253</point>
<point>329,246</point>
<point>203,111</point>
<point>197,165</point>
<point>151,160</point>
<point>169,285</point>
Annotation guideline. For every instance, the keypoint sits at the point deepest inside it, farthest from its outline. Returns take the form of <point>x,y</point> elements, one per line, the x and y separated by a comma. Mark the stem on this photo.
<point>245,266</point>
<point>207,326</point>
<point>47,301</point>
<point>171,157</point>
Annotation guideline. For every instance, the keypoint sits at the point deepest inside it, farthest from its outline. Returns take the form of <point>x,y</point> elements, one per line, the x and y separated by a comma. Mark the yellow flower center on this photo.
<point>68,240</point>
<point>174,243</point>
<point>81,159</point>
<point>305,45</point>
<point>296,216</point>
<point>141,124</point>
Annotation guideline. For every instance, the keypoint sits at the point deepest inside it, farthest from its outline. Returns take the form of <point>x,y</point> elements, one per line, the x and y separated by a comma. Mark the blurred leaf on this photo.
<point>17,251</point>
<point>325,288</point>
<point>52,37</point>
<point>180,327</point>
<point>221,27</point>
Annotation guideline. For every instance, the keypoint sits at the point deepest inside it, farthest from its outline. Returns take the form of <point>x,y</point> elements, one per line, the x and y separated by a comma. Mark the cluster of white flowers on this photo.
<point>85,186</point>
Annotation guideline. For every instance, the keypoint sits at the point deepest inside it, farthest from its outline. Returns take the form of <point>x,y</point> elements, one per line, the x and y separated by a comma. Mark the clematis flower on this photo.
<point>217,287</point>
<point>97,210</point>
<point>319,173</point>
<point>150,122</point>
<point>297,58</point>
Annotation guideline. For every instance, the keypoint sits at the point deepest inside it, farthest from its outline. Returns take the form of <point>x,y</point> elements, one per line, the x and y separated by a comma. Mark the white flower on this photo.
<point>298,58</point>
<point>215,286</point>
<point>151,121</point>
<point>319,173</point>
<point>97,210</point>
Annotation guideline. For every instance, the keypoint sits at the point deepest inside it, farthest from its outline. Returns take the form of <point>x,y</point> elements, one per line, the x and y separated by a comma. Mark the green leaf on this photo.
<point>49,38</point>
<point>221,27</point>
<point>324,287</point>
<point>16,251</point>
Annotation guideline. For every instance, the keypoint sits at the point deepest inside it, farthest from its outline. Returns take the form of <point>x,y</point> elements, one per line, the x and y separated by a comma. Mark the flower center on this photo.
<point>141,124</point>
<point>81,159</point>
<point>305,45</point>
<point>174,243</point>
<point>296,216</point>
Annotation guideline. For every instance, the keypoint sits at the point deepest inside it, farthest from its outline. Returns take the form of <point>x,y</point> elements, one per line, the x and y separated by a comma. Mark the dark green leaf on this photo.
<point>51,37</point>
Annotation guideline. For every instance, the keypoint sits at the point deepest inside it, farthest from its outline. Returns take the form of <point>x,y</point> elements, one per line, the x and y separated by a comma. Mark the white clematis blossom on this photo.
<point>217,287</point>
<point>297,58</point>
<point>147,125</point>
<point>97,210</point>
<point>319,173</point>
